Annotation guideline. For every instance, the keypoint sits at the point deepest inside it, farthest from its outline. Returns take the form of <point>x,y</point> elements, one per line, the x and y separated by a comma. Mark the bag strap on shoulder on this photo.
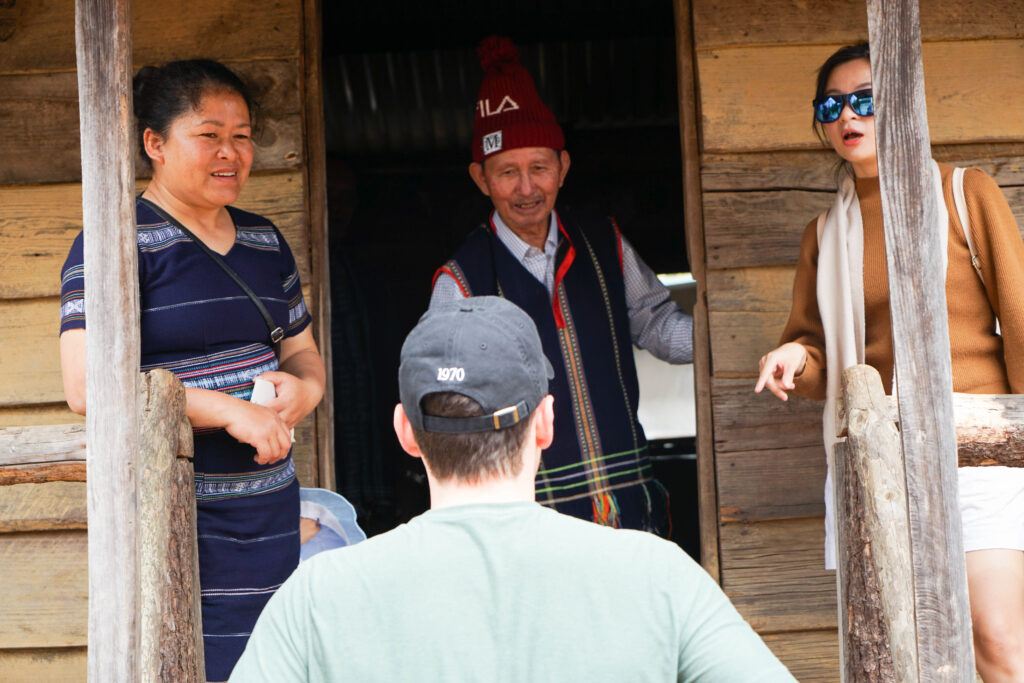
<point>276,333</point>
<point>965,222</point>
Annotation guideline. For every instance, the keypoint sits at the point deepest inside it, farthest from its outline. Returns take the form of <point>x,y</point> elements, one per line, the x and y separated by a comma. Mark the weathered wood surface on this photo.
<point>44,665</point>
<point>918,309</point>
<point>811,656</point>
<point>103,46</point>
<point>764,228</point>
<point>774,574</point>
<point>720,23</point>
<point>39,223</point>
<point>316,190</point>
<point>745,421</point>
<point>739,339</point>
<point>170,640</point>
<point>41,474</point>
<point>39,36</point>
<point>45,589</point>
<point>42,507</point>
<point>40,112</point>
<point>40,414</point>
<point>876,594</point>
<point>41,444</point>
<point>759,228</point>
<point>759,288</point>
<point>988,428</point>
<point>30,364</point>
<point>776,484</point>
<point>815,169</point>
<point>970,92</point>
<point>695,236</point>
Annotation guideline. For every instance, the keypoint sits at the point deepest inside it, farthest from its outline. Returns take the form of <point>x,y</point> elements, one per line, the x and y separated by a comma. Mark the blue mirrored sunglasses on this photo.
<point>828,108</point>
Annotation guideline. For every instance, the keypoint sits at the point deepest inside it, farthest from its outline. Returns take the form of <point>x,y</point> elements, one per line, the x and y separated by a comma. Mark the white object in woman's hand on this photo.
<point>295,397</point>
<point>778,368</point>
<point>261,428</point>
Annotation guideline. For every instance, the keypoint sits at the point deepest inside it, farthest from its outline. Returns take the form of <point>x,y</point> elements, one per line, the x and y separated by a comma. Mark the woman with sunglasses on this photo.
<point>981,303</point>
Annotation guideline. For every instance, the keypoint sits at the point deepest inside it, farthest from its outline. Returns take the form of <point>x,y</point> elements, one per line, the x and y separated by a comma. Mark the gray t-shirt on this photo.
<point>504,592</point>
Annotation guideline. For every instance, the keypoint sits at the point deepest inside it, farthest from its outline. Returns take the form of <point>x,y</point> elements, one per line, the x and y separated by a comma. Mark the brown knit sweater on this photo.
<point>983,362</point>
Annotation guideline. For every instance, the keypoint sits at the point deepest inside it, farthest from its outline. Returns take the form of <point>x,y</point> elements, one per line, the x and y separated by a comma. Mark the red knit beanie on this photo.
<point>509,112</point>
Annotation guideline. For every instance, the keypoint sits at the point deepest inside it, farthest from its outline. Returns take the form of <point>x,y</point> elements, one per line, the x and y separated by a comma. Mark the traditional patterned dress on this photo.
<point>198,324</point>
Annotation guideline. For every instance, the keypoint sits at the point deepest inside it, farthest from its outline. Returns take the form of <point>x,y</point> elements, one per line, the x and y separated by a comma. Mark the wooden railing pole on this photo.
<point>876,588</point>
<point>170,642</point>
<point>915,264</point>
<point>104,51</point>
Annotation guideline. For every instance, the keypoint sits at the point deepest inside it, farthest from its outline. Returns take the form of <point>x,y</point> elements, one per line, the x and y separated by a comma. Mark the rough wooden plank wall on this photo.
<point>764,176</point>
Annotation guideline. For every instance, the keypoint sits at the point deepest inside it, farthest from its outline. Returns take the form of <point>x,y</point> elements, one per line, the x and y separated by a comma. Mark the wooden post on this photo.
<point>707,491</point>
<point>103,40</point>
<point>917,299</point>
<point>876,588</point>
<point>171,634</point>
<point>315,169</point>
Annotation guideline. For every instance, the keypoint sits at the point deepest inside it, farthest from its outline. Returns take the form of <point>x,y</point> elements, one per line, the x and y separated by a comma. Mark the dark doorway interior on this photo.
<point>400,83</point>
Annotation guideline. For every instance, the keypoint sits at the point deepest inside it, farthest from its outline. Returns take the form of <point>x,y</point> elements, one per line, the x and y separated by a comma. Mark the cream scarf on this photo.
<point>841,306</point>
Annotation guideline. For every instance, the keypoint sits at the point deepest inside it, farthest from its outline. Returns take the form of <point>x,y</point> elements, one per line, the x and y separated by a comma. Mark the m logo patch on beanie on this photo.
<point>492,143</point>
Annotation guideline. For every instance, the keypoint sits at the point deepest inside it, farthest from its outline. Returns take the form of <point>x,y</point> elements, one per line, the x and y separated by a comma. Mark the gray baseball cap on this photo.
<point>484,347</point>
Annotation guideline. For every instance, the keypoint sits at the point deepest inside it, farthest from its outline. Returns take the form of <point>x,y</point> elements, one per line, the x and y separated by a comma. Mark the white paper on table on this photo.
<point>262,392</point>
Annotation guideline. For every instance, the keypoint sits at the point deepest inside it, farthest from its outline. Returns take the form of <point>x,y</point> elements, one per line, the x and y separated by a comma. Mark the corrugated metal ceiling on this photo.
<point>402,78</point>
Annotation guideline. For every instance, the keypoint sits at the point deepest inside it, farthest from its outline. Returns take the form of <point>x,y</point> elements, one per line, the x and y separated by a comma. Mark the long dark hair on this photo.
<point>163,93</point>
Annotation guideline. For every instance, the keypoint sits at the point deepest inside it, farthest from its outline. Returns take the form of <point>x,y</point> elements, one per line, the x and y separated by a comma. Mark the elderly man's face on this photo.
<point>523,185</point>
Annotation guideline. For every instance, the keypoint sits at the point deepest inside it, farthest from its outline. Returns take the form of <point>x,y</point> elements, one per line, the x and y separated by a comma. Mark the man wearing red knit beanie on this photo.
<point>589,293</point>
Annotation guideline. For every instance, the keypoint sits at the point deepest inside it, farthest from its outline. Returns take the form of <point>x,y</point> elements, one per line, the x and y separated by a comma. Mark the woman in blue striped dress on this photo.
<point>195,128</point>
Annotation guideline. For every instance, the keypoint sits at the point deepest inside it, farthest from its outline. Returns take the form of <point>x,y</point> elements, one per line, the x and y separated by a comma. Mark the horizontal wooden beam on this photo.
<point>43,444</point>
<point>815,169</point>
<point>796,489</point>
<point>774,574</point>
<point>42,507</point>
<point>745,421</point>
<point>40,35</point>
<point>46,589</point>
<point>780,217</point>
<point>989,428</point>
<point>720,23</point>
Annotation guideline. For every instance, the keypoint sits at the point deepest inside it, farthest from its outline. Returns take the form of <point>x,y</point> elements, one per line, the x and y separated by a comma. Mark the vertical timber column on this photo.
<point>707,491</point>
<point>910,211</point>
<point>104,49</point>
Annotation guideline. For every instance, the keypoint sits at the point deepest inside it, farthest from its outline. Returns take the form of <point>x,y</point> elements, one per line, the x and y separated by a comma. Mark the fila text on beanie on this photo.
<point>509,112</point>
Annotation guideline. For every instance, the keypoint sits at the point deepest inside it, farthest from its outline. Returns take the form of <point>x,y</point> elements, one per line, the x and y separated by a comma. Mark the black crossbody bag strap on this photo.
<point>276,333</point>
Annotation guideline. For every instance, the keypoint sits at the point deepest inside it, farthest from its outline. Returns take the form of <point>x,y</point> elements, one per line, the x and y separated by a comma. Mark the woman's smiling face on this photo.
<point>853,136</point>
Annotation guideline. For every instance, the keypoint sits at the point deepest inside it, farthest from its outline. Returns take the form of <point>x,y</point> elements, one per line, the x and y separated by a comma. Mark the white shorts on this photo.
<point>992,507</point>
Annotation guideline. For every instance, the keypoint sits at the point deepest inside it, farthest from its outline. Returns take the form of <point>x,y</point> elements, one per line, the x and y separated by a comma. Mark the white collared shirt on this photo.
<point>656,323</point>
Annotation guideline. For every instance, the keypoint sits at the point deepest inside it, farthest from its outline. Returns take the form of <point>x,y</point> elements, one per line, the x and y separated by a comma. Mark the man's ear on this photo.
<point>403,430</point>
<point>153,144</point>
<point>563,158</point>
<point>476,172</point>
<point>545,420</point>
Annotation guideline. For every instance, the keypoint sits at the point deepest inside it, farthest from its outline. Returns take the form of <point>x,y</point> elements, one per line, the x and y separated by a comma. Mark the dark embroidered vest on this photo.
<point>599,445</point>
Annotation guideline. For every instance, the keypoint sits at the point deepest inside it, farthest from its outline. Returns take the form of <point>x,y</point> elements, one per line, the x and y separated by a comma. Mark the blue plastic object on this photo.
<point>337,519</point>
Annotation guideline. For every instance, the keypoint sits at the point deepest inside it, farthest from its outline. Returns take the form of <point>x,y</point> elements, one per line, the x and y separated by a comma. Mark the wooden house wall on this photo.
<point>43,622</point>
<point>764,176</point>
